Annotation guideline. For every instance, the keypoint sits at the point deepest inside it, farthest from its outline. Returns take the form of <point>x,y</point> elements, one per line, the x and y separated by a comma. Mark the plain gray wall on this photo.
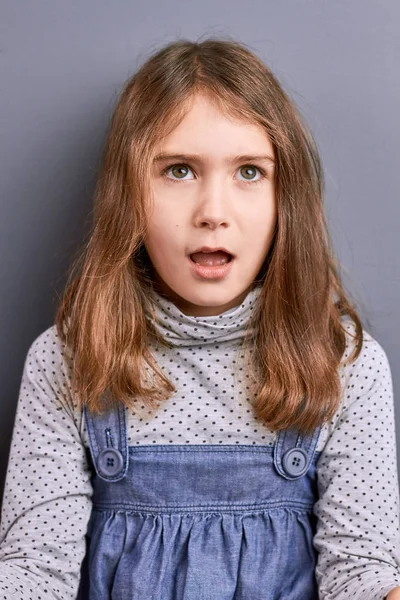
<point>62,65</point>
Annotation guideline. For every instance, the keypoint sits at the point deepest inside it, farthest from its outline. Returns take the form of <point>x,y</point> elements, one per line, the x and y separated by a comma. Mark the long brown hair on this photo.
<point>300,335</point>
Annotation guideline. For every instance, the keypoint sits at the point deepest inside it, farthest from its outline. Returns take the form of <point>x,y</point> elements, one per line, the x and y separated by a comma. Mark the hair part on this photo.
<point>300,335</point>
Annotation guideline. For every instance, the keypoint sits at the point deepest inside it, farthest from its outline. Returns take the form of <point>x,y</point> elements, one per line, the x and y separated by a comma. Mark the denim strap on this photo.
<point>108,442</point>
<point>290,439</point>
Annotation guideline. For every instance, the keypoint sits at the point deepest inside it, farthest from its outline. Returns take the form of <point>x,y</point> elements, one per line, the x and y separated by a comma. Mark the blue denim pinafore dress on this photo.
<point>199,522</point>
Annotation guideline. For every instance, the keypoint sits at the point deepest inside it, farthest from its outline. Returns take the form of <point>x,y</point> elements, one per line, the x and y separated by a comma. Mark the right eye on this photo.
<point>178,169</point>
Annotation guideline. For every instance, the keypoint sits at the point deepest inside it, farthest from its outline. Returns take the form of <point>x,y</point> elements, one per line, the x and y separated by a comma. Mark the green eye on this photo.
<point>249,168</point>
<point>177,170</point>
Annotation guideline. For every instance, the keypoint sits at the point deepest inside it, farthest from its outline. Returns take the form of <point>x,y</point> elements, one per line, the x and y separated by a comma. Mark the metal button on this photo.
<point>294,461</point>
<point>110,461</point>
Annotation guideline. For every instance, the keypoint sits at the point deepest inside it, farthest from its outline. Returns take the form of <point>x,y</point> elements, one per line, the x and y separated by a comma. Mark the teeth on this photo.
<point>210,259</point>
<point>212,263</point>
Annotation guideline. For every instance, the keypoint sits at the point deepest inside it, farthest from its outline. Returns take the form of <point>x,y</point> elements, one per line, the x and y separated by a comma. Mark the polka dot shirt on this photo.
<point>47,497</point>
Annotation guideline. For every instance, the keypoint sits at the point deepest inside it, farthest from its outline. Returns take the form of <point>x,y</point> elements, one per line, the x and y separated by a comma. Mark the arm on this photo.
<point>357,534</point>
<point>46,502</point>
<point>394,594</point>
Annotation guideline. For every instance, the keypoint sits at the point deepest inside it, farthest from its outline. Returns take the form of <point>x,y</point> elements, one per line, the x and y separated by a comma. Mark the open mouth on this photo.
<point>211,259</point>
<point>211,265</point>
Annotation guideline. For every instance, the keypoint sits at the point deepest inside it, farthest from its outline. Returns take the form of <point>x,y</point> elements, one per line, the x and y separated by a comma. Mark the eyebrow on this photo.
<point>200,157</point>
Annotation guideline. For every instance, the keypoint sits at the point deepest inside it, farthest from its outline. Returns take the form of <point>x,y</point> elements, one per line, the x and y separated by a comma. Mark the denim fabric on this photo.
<point>199,522</point>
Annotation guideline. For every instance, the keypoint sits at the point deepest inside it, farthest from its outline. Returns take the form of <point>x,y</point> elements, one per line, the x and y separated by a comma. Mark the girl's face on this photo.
<point>219,196</point>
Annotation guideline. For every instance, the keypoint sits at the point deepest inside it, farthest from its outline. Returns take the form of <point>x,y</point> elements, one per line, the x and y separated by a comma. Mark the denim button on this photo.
<point>110,461</point>
<point>294,461</point>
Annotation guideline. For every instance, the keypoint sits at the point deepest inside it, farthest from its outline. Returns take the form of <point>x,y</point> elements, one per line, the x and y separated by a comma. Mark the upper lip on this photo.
<point>209,249</point>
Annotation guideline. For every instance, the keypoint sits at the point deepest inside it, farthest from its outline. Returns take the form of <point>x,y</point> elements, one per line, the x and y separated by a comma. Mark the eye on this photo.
<point>252,169</point>
<point>180,170</point>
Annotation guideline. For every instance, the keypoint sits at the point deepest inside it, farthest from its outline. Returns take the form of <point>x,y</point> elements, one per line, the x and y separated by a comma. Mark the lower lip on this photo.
<point>207,272</point>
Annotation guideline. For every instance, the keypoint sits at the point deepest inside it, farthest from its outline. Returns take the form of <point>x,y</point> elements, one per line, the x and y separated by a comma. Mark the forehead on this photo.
<point>208,129</point>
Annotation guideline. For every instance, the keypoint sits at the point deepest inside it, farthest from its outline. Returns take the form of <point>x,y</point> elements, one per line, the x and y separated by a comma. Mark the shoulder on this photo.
<point>371,363</point>
<point>47,344</point>
<point>48,365</point>
<point>366,383</point>
<point>370,346</point>
<point>48,352</point>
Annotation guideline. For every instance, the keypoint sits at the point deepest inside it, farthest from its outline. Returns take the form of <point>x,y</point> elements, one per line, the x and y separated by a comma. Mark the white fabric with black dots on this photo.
<point>47,497</point>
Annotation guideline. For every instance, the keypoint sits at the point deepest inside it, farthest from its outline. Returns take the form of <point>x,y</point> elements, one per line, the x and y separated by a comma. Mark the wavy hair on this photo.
<point>300,335</point>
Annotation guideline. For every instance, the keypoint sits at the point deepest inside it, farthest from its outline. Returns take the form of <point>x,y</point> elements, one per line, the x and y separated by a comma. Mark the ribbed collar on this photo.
<point>183,330</point>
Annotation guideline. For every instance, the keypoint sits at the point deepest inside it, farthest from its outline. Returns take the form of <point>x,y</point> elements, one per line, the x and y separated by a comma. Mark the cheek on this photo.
<point>262,223</point>
<point>261,231</point>
<point>161,234</point>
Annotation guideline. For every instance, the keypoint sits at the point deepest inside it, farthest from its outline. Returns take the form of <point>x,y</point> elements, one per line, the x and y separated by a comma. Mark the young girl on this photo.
<point>207,419</point>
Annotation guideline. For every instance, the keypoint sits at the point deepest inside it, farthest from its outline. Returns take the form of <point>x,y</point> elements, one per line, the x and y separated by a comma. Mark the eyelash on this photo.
<point>251,182</point>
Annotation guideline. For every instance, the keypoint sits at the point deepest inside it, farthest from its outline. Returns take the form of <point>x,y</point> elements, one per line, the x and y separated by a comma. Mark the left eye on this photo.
<point>250,168</point>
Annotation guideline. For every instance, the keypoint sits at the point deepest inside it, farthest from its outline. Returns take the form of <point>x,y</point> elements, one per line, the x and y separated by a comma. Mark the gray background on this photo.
<point>62,65</point>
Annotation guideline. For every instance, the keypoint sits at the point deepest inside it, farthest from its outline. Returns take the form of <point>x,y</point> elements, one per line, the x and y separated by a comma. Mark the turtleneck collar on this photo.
<point>184,330</point>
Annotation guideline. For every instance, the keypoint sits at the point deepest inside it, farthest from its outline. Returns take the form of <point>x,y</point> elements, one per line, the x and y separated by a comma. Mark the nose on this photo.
<point>212,207</point>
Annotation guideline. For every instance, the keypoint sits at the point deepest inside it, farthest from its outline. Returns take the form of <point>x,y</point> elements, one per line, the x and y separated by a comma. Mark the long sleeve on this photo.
<point>47,496</point>
<point>357,535</point>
